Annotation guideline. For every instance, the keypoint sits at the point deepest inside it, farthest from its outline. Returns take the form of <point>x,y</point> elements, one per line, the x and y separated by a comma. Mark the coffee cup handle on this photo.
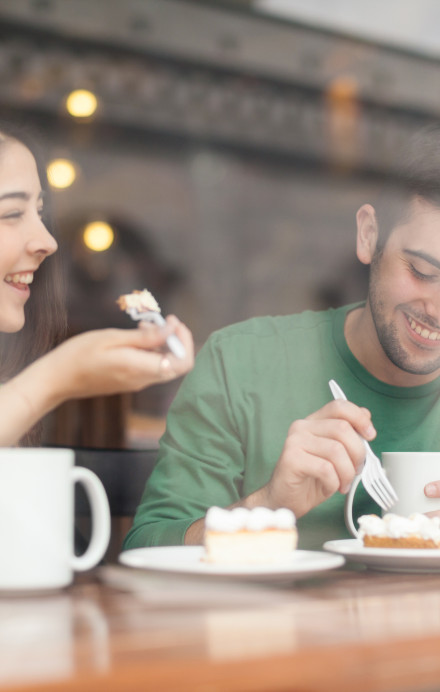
<point>348,507</point>
<point>101,523</point>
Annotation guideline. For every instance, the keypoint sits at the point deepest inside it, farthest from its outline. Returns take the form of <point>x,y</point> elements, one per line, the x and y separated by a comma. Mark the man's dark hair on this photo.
<point>417,175</point>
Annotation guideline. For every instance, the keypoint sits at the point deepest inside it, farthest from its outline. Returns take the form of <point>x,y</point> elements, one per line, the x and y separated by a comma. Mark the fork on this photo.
<point>372,476</point>
<point>173,342</point>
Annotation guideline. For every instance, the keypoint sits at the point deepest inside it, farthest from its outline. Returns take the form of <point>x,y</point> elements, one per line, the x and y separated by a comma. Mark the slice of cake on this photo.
<point>142,307</point>
<point>141,301</point>
<point>258,536</point>
<point>394,531</point>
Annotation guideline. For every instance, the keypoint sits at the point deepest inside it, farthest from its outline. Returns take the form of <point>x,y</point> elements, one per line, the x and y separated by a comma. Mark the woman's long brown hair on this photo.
<point>45,315</point>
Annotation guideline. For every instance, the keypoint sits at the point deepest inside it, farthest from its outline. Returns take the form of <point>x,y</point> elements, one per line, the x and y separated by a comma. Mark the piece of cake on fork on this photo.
<point>141,301</point>
<point>142,306</point>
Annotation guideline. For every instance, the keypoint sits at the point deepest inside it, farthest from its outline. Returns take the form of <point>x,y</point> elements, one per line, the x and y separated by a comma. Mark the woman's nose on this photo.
<point>41,241</point>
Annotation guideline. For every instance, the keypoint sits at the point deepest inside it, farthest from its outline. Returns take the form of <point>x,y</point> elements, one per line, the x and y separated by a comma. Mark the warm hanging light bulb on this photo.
<point>81,103</point>
<point>98,236</point>
<point>61,173</point>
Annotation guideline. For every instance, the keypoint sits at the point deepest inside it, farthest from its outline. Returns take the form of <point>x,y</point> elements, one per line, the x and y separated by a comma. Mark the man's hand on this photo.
<point>432,490</point>
<point>321,455</point>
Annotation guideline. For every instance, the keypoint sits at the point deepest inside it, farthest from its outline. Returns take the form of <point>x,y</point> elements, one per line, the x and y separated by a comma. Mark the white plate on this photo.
<point>386,559</point>
<point>188,560</point>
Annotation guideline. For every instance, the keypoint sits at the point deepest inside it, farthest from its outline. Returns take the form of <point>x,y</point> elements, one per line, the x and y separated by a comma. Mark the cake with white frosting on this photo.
<point>142,301</point>
<point>394,531</point>
<point>241,536</point>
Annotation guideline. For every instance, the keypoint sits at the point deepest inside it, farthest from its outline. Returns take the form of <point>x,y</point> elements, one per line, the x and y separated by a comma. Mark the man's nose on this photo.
<point>432,305</point>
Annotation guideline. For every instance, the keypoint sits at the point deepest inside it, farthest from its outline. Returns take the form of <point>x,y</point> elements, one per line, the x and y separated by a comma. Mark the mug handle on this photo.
<point>348,507</point>
<point>100,519</point>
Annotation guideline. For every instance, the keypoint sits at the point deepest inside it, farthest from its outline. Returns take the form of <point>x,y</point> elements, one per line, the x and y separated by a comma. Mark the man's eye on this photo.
<point>421,276</point>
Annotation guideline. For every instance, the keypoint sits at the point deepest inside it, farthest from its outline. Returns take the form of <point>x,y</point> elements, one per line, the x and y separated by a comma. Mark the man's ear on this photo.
<point>367,233</point>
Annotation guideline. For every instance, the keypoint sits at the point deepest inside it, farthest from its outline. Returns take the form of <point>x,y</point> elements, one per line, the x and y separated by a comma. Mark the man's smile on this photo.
<point>422,331</point>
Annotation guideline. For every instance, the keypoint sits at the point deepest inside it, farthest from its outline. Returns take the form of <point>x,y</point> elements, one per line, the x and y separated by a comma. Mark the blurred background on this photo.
<point>212,152</point>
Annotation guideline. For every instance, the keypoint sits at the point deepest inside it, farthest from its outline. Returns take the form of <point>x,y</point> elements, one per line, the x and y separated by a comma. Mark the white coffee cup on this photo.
<point>408,473</point>
<point>37,518</point>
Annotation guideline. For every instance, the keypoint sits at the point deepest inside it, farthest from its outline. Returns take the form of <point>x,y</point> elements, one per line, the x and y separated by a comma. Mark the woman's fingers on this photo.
<point>108,361</point>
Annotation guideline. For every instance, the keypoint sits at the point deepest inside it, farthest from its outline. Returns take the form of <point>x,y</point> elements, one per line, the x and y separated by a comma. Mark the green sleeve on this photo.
<point>201,460</point>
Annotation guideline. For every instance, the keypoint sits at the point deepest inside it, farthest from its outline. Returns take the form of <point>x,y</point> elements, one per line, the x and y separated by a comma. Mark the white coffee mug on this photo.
<point>37,518</point>
<point>408,473</point>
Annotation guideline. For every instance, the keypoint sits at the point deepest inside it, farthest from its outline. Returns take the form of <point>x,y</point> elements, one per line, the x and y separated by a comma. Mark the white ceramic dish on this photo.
<point>188,560</point>
<point>386,559</point>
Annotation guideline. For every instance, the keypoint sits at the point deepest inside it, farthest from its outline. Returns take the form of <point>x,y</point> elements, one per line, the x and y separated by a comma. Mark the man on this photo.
<point>254,423</point>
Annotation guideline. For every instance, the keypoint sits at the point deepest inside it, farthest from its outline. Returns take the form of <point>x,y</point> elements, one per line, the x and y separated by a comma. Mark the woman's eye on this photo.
<point>12,215</point>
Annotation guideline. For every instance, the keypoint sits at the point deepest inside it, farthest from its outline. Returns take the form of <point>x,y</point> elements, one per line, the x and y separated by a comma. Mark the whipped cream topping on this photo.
<point>395,526</point>
<point>140,300</point>
<point>242,519</point>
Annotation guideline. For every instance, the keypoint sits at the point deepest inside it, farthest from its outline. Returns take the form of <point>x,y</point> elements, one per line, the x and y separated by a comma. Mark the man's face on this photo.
<point>404,292</point>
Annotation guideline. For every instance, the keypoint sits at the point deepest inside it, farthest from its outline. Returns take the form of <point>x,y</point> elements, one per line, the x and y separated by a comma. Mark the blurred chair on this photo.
<point>97,422</point>
<point>123,472</point>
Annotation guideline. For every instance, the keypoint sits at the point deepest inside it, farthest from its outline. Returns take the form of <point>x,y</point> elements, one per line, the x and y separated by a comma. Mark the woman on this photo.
<point>37,377</point>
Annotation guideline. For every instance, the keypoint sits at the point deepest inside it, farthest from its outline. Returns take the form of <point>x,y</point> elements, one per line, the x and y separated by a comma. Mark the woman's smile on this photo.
<point>20,280</point>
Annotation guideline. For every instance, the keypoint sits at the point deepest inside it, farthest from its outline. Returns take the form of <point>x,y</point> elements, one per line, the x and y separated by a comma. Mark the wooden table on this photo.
<point>116,629</point>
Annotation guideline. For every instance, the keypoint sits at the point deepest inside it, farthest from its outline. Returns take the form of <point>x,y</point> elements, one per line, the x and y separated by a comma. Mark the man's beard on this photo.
<point>387,332</point>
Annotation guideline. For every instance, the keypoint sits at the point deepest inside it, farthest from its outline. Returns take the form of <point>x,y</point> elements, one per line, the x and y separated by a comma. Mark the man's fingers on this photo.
<point>334,440</point>
<point>432,489</point>
<point>325,472</point>
<point>330,451</point>
<point>358,417</point>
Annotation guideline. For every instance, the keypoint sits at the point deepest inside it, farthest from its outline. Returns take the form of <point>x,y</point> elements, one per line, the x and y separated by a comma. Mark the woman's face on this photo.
<point>24,240</point>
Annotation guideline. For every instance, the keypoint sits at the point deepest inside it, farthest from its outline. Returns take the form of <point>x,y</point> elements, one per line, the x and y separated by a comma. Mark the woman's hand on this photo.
<point>106,361</point>
<point>109,361</point>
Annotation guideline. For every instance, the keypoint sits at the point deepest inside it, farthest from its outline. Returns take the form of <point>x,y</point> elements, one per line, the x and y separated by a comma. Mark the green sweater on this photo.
<point>229,420</point>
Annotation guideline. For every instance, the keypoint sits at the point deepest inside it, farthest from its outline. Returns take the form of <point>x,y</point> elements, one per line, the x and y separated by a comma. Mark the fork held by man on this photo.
<point>372,476</point>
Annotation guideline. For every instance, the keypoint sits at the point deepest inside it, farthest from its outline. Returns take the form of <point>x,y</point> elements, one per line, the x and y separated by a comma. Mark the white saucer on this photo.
<point>189,560</point>
<point>386,559</point>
